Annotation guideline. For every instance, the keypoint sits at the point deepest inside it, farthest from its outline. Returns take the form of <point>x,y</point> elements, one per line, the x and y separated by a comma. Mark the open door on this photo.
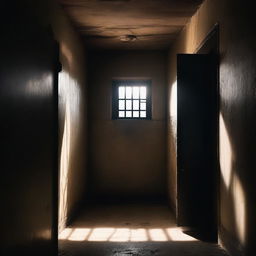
<point>197,144</point>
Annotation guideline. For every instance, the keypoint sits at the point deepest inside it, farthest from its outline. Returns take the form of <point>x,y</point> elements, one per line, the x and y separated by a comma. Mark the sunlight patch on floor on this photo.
<point>79,234</point>
<point>111,234</point>
<point>157,234</point>
<point>101,234</point>
<point>176,234</point>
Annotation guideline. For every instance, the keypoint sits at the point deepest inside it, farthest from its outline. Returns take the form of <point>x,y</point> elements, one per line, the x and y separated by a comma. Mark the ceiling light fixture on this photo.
<point>128,38</point>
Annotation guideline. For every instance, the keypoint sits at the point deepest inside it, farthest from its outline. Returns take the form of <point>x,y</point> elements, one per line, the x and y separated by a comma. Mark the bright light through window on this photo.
<point>136,92</point>
<point>133,100</point>
<point>143,92</point>
<point>121,92</point>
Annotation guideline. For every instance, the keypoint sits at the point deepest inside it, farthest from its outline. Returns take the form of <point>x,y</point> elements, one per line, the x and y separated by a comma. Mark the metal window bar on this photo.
<point>147,101</point>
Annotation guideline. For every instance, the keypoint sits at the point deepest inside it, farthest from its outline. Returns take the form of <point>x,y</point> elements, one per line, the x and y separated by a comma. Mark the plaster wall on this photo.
<point>237,121</point>
<point>127,157</point>
<point>72,116</point>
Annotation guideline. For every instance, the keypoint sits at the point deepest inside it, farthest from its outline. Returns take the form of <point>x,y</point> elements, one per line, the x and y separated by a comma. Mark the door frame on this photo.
<point>55,176</point>
<point>210,44</point>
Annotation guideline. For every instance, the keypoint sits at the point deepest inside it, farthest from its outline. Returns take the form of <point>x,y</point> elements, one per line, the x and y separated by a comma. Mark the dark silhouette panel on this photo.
<point>28,111</point>
<point>196,144</point>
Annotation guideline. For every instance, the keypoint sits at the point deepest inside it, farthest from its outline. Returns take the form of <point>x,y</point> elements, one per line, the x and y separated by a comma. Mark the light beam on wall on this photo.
<point>64,167</point>
<point>239,201</point>
<point>226,156</point>
<point>173,100</point>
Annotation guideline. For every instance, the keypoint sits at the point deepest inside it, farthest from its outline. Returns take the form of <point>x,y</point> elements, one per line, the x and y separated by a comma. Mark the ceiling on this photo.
<point>155,23</point>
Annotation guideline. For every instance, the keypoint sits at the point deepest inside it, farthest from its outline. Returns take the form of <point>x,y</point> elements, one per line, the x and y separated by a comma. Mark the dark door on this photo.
<point>196,144</point>
<point>29,142</point>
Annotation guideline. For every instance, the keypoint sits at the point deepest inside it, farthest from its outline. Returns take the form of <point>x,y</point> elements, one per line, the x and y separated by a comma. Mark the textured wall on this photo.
<point>155,23</point>
<point>237,121</point>
<point>72,117</point>
<point>127,157</point>
<point>30,116</point>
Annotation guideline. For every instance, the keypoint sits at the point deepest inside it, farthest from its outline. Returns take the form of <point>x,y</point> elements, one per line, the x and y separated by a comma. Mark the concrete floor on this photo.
<point>130,230</point>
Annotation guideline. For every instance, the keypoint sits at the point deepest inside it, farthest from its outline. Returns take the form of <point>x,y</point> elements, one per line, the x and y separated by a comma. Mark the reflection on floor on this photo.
<point>130,230</point>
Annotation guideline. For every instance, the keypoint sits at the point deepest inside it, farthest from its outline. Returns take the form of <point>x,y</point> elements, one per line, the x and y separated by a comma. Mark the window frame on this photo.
<point>116,83</point>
